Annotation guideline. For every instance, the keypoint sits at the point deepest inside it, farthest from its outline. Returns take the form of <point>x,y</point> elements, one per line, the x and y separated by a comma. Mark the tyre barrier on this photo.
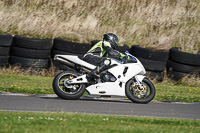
<point>149,54</point>
<point>32,43</point>
<point>61,46</point>
<point>151,65</point>
<point>30,52</point>
<point>5,44</point>
<point>4,60</point>
<point>123,48</point>
<point>71,47</point>
<point>181,64</point>
<point>154,61</point>
<point>183,57</point>
<point>38,53</point>
<point>158,76</point>
<point>28,62</point>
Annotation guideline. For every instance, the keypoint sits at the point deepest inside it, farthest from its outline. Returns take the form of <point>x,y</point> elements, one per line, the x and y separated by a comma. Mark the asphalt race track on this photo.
<point>121,107</point>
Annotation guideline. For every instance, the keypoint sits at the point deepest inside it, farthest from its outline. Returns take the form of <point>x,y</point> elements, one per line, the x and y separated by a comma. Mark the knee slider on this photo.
<point>107,62</point>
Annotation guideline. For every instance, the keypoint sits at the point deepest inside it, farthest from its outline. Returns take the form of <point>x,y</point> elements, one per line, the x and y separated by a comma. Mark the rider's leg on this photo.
<point>92,59</point>
<point>105,63</point>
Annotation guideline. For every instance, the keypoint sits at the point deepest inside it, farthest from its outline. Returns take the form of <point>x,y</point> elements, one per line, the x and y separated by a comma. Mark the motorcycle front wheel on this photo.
<point>65,90</point>
<point>140,95</point>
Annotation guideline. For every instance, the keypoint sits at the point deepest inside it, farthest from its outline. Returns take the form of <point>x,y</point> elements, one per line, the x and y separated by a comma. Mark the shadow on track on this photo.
<point>92,99</point>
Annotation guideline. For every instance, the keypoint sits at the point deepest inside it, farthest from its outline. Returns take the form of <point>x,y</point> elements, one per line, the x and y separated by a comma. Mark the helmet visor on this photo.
<point>115,39</point>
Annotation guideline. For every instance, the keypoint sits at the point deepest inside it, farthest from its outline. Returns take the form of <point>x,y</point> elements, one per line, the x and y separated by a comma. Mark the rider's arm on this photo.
<point>117,55</point>
<point>112,53</point>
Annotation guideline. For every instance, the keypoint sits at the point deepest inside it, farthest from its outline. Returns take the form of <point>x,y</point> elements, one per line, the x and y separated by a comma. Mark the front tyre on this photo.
<point>67,91</point>
<point>137,95</point>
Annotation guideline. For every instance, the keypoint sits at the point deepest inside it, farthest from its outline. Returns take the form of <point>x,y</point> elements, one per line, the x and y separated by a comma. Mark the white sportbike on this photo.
<point>120,79</point>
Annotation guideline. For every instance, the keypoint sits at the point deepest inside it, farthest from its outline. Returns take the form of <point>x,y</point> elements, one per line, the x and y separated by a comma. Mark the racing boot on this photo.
<point>93,74</point>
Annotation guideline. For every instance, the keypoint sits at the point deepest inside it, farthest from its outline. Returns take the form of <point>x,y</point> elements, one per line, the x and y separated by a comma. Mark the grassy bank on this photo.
<point>75,123</point>
<point>17,83</point>
<point>162,24</point>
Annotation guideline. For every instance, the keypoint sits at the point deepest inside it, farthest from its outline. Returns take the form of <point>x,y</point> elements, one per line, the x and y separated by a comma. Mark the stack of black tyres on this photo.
<point>181,64</point>
<point>154,61</point>
<point>123,48</point>
<point>5,44</point>
<point>64,47</point>
<point>31,52</point>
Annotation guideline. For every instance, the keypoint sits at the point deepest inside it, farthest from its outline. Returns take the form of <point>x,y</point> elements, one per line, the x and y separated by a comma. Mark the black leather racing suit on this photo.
<point>99,55</point>
<point>101,51</point>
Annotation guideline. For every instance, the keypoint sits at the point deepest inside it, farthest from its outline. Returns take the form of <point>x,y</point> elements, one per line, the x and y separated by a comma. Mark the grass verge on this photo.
<point>74,123</point>
<point>26,84</point>
<point>17,83</point>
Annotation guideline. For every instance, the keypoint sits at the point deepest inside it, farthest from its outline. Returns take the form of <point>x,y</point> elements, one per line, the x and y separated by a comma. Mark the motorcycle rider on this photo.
<point>100,54</point>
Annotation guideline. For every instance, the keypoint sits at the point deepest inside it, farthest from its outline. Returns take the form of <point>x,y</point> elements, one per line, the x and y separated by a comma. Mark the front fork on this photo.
<point>139,79</point>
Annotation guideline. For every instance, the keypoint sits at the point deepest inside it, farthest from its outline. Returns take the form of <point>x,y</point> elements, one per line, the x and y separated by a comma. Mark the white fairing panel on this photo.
<point>108,88</point>
<point>76,60</point>
<point>132,70</point>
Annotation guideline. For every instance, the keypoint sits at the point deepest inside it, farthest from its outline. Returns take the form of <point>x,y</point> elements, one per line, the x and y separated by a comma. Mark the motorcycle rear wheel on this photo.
<point>140,96</point>
<point>67,91</point>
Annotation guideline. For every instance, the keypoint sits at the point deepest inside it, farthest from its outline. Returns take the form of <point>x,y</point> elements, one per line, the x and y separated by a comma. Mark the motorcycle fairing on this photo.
<point>109,88</point>
<point>75,60</point>
<point>113,88</point>
<point>124,75</point>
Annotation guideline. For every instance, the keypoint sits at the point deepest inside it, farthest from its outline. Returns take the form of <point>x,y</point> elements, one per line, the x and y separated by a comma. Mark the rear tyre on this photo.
<point>67,91</point>
<point>140,96</point>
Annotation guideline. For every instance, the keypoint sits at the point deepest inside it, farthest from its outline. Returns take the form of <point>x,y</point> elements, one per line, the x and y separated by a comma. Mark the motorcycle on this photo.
<point>120,79</point>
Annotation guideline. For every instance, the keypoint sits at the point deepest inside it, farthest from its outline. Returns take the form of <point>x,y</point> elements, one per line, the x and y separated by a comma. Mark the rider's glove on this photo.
<point>124,59</point>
